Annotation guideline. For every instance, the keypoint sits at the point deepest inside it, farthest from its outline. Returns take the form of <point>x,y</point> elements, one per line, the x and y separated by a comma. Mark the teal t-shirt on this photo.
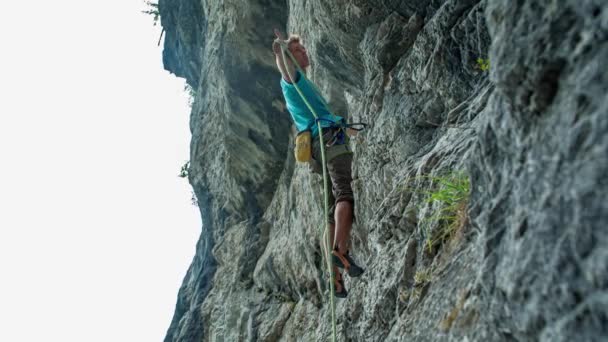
<point>301,115</point>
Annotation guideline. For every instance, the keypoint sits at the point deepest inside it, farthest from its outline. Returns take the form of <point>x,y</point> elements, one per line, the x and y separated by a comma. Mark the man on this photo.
<point>338,164</point>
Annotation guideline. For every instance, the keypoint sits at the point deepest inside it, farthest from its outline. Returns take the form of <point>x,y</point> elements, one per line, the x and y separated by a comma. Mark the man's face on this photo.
<point>299,53</point>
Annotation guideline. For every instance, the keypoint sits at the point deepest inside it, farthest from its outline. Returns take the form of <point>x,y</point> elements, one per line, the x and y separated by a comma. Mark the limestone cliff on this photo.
<point>528,259</point>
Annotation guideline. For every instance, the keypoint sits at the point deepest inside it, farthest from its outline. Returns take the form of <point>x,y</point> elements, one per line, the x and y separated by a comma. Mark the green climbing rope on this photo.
<point>328,248</point>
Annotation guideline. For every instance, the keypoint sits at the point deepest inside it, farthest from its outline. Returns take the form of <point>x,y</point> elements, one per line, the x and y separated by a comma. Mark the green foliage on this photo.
<point>422,277</point>
<point>451,195</point>
<point>152,10</point>
<point>483,64</point>
<point>183,173</point>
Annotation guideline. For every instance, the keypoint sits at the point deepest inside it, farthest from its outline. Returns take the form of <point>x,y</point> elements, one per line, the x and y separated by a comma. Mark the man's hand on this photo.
<point>276,45</point>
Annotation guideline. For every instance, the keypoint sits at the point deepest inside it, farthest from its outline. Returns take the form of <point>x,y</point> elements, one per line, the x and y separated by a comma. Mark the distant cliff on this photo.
<point>508,98</point>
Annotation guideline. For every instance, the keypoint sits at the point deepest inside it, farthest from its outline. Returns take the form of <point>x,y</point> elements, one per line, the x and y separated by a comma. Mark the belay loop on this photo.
<point>352,126</point>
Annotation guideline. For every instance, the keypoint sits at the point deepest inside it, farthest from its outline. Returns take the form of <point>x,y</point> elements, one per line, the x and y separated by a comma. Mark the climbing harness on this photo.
<point>335,146</point>
<point>341,130</point>
<point>306,144</point>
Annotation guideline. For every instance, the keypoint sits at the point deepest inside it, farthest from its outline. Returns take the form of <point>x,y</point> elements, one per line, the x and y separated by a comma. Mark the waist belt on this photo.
<point>340,127</point>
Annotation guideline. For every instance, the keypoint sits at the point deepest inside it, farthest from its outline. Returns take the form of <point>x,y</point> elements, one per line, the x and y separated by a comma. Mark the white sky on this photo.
<point>96,229</point>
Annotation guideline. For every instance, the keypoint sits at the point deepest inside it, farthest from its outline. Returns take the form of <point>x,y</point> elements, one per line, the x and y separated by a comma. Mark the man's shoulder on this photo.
<point>285,82</point>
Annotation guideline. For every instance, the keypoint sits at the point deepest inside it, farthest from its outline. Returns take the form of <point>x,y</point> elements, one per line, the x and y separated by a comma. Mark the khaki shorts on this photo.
<point>339,165</point>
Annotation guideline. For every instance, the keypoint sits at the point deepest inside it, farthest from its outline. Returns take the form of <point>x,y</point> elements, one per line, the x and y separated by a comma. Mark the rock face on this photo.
<point>528,257</point>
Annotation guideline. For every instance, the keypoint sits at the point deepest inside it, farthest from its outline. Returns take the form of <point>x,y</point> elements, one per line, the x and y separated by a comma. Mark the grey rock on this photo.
<point>531,262</point>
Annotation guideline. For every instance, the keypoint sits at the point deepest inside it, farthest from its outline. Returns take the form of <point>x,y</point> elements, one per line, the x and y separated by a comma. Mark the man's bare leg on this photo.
<point>344,222</point>
<point>332,232</point>
<point>332,229</point>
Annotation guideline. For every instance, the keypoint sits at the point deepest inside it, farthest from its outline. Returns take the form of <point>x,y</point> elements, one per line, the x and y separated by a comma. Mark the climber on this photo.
<point>338,164</point>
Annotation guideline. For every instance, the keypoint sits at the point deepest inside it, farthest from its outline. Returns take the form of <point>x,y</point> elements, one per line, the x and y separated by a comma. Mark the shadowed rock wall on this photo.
<point>531,261</point>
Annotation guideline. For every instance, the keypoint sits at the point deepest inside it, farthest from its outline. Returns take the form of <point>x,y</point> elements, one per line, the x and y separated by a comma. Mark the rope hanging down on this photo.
<point>284,50</point>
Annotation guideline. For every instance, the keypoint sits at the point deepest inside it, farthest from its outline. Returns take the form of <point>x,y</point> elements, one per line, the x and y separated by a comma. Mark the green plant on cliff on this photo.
<point>152,10</point>
<point>451,197</point>
<point>183,172</point>
<point>422,277</point>
<point>483,64</point>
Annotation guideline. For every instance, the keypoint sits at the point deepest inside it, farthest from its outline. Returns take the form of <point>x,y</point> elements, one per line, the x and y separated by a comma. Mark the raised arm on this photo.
<point>276,48</point>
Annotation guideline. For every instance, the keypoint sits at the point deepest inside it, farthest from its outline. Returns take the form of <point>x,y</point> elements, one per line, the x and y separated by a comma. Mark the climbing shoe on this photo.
<point>346,262</point>
<point>339,289</point>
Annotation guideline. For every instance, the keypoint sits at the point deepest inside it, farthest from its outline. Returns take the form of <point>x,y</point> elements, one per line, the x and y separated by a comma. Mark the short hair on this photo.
<point>293,38</point>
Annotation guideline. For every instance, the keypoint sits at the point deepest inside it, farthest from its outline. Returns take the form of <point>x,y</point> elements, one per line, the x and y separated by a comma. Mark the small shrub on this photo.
<point>183,173</point>
<point>451,196</point>
<point>483,64</point>
<point>152,10</point>
<point>422,277</point>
